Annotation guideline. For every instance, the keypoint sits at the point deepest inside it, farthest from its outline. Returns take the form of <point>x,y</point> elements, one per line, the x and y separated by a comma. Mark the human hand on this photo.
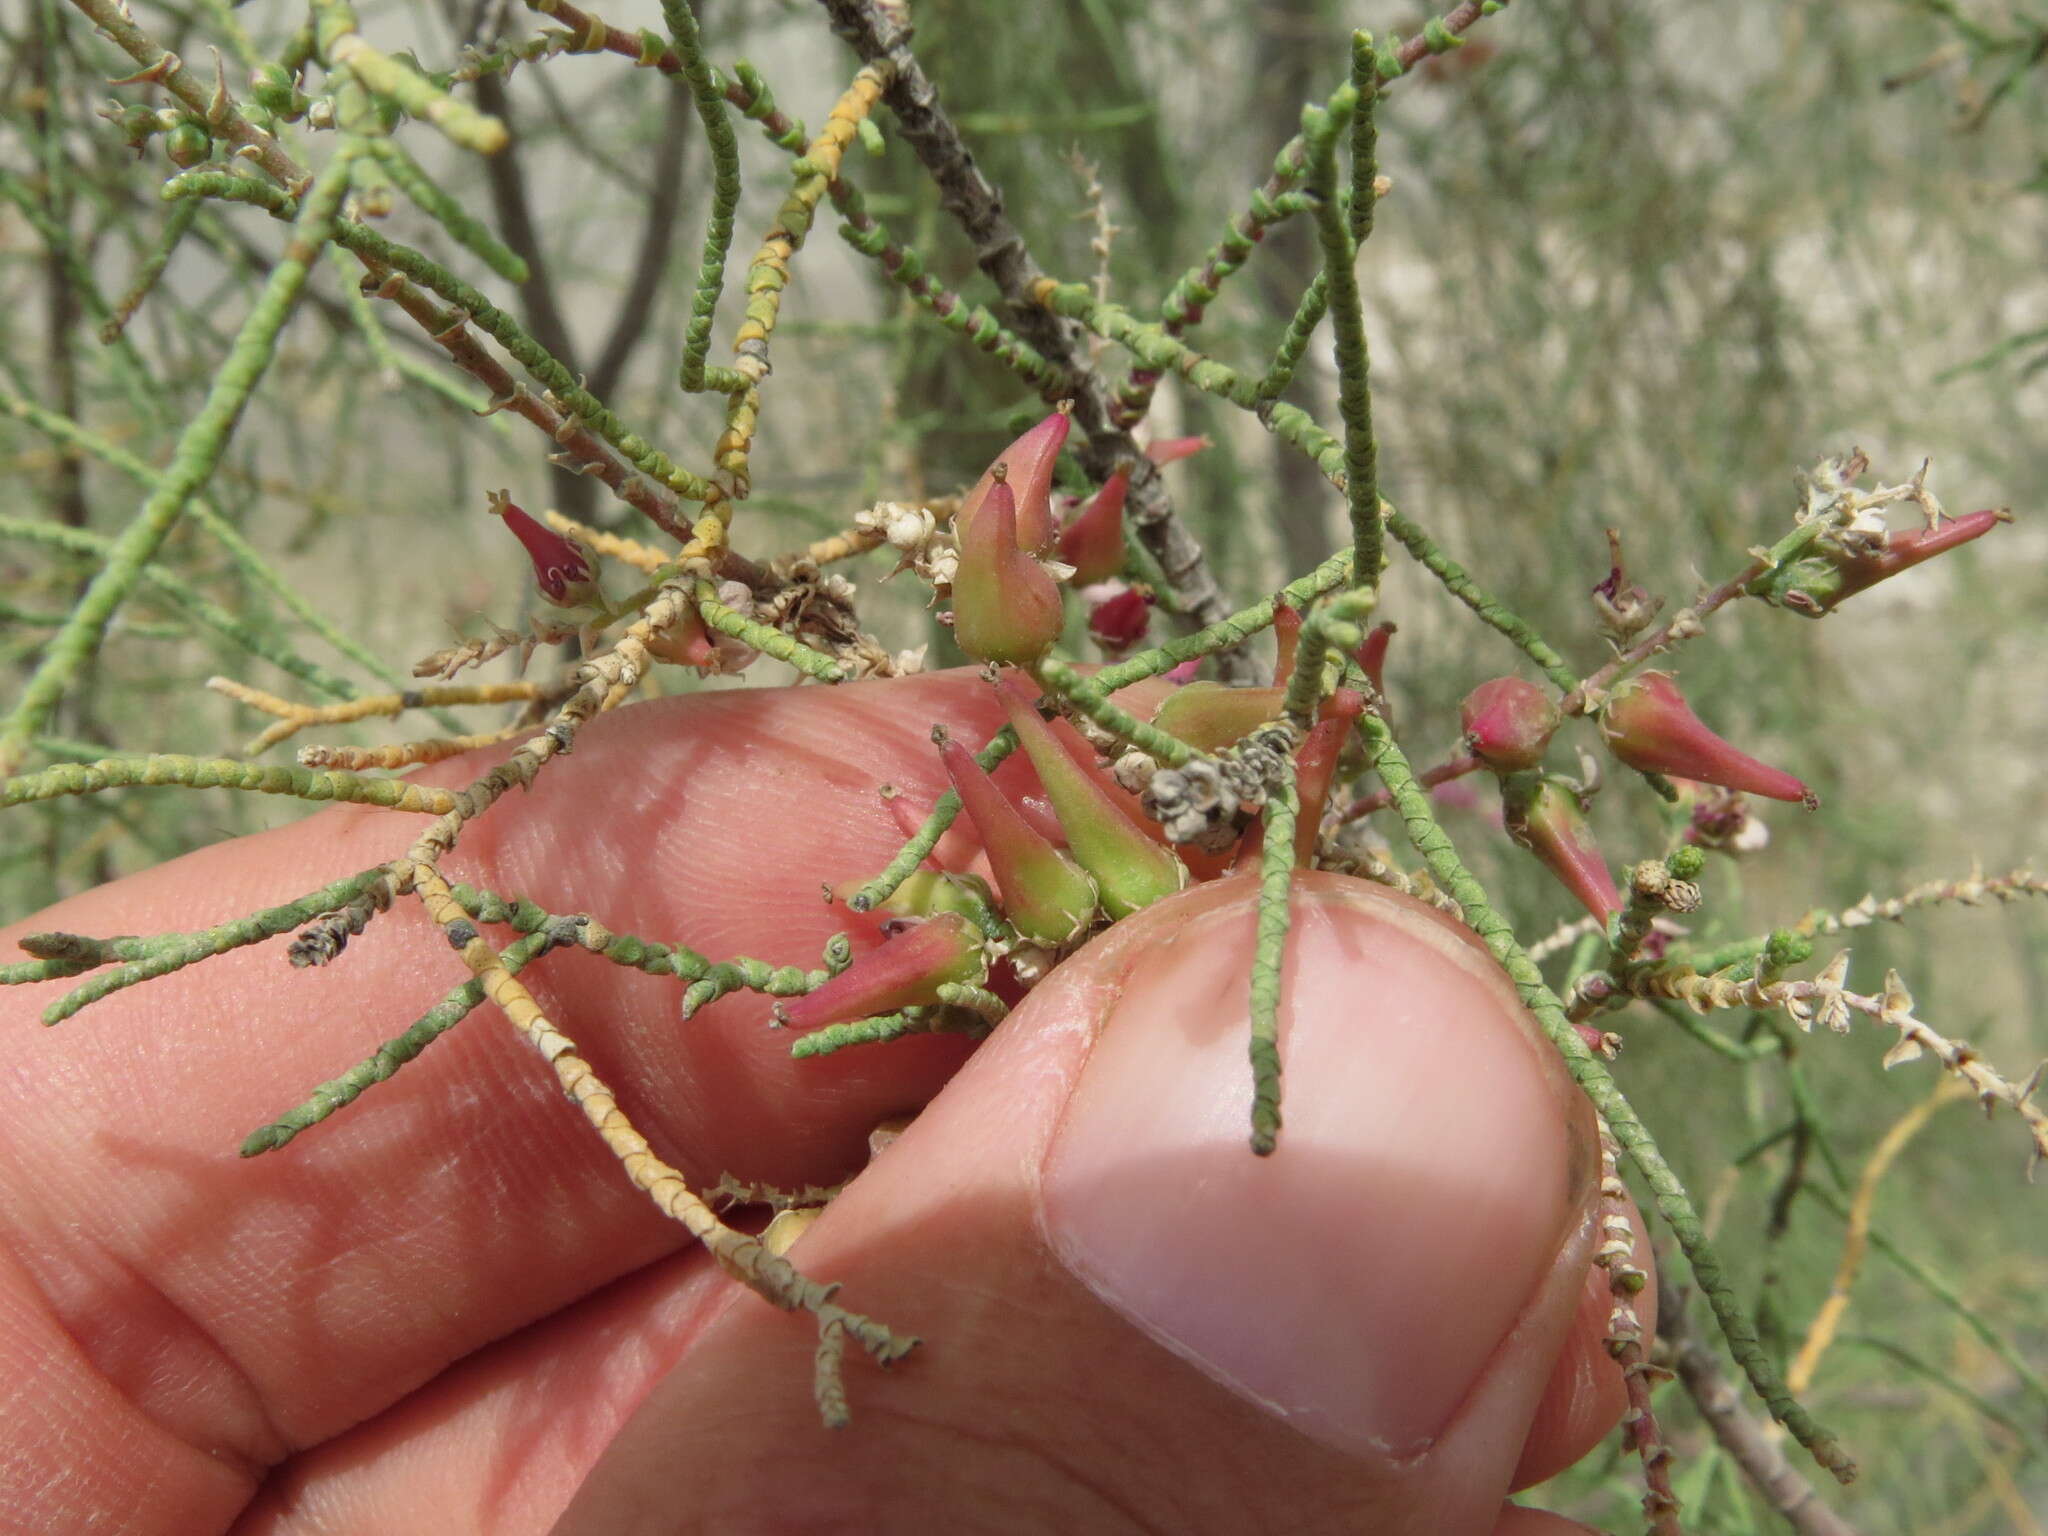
<point>446,1308</point>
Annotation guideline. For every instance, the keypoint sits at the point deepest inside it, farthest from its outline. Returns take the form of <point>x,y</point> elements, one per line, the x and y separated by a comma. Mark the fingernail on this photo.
<point>1357,1282</point>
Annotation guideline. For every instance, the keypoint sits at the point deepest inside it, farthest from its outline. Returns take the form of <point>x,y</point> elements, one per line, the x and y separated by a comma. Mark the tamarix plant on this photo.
<point>1050,572</point>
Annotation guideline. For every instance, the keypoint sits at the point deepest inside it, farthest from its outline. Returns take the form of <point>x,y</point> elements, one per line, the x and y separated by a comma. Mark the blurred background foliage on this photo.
<point>1640,265</point>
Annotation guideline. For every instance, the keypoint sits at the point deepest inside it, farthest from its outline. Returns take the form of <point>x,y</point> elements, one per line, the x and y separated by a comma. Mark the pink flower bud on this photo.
<point>905,972</point>
<point>1093,542</point>
<point>1286,638</point>
<point>1508,723</point>
<point>561,567</point>
<point>1544,817</point>
<point>1903,551</point>
<point>1119,621</point>
<point>1045,895</point>
<point>1167,450</point>
<point>1130,870</point>
<point>1027,464</point>
<point>1648,725</point>
<point>1005,607</point>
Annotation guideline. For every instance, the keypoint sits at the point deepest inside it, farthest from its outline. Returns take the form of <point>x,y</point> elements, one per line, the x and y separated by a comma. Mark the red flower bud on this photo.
<point>1508,723</point>
<point>1372,656</point>
<point>1027,464</point>
<point>1093,543</point>
<point>1315,767</point>
<point>905,972</point>
<point>1130,869</point>
<point>561,567</point>
<point>1005,607</point>
<point>1045,895</point>
<point>1648,725</point>
<point>1544,817</point>
<point>1120,620</point>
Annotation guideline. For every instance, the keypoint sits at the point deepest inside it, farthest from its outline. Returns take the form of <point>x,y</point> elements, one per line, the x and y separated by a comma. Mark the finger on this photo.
<point>239,1310</point>
<point>1135,1324</point>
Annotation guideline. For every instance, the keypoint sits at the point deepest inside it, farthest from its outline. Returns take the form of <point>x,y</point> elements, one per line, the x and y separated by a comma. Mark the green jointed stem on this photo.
<point>1059,678</point>
<point>976,1000</point>
<point>768,641</point>
<point>314,784</point>
<point>1296,427</point>
<point>176,589</point>
<point>527,917</point>
<point>887,1026</point>
<point>432,200</point>
<point>1365,137</point>
<point>725,193</point>
<point>530,355</point>
<point>1332,628</point>
<point>1490,609</point>
<point>160,954</point>
<point>906,268</point>
<point>1347,321</point>
<point>198,452</point>
<point>1308,314</point>
<point>340,1092</point>
<point>926,838</point>
<point>1674,1204</point>
<point>1240,626</point>
<point>501,327</point>
<point>745,974</point>
<point>1276,879</point>
<point>224,532</point>
<point>176,227</point>
<point>397,82</point>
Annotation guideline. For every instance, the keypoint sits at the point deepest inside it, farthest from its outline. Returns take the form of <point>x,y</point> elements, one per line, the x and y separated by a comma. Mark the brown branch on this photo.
<point>1743,1436</point>
<point>1001,253</point>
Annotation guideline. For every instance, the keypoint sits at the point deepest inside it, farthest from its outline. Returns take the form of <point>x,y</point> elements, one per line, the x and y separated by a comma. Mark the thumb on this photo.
<point>1131,1322</point>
